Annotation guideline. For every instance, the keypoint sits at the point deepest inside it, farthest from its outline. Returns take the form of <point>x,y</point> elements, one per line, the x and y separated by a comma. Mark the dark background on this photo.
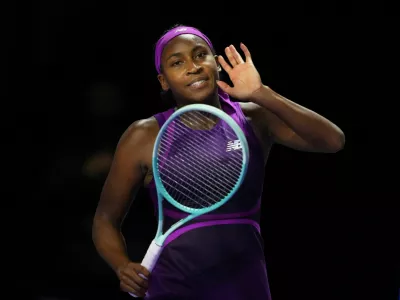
<point>78,74</point>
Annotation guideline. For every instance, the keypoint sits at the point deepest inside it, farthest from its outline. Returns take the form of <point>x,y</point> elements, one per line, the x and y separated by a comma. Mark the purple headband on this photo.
<point>174,33</point>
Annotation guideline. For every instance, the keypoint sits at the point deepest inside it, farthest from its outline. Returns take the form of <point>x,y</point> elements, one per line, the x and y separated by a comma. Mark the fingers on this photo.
<point>140,280</point>
<point>234,57</point>
<point>143,270</point>
<point>224,86</point>
<point>133,279</point>
<point>224,64</point>
<point>231,58</point>
<point>131,274</point>
<point>246,52</point>
<point>134,289</point>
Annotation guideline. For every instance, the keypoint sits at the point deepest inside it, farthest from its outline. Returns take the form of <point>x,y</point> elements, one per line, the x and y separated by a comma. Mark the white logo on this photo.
<point>233,145</point>
<point>181,29</point>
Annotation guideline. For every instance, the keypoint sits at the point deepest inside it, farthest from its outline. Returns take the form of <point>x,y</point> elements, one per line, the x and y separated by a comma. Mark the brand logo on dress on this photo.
<point>233,145</point>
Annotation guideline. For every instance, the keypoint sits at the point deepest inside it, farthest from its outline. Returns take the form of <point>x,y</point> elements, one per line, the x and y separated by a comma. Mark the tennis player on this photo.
<point>219,255</point>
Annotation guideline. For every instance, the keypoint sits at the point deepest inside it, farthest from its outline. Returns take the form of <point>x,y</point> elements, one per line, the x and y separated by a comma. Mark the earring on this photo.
<point>219,67</point>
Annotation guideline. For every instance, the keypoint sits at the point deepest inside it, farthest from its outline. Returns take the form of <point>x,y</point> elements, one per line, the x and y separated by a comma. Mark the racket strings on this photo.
<point>221,132</point>
<point>194,164</point>
<point>196,186</point>
<point>174,178</point>
<point>191,146</point>
<point>205,120</point>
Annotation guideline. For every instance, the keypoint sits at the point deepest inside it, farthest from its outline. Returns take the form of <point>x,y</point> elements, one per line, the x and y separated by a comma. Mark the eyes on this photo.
<point>198,56</point>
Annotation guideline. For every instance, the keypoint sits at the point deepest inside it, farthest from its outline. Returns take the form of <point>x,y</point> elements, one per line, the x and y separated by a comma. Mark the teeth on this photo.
<point>197,83</point>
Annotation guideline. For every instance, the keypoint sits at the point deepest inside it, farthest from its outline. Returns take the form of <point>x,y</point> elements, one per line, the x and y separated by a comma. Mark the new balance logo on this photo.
<point>181,29</point>
<point>233,145</point>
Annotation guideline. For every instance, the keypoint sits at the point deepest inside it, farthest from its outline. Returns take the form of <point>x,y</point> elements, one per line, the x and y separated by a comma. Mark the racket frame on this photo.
<point>162,192</point>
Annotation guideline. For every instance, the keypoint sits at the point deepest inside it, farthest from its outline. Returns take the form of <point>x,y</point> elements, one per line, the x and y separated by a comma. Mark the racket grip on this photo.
<point>150,259</point>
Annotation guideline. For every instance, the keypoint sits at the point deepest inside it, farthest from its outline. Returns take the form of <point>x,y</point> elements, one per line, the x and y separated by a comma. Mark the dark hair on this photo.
<point>166,96</point>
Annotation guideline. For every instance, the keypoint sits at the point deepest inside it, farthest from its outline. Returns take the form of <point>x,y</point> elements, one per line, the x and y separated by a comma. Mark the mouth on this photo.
<point>198,82</point>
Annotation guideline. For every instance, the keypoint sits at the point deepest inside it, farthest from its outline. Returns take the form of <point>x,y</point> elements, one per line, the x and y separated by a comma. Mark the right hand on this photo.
<point>131,280</point>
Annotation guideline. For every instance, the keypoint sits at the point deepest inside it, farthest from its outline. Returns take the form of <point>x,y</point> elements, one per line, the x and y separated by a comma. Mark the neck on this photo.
<point>212,100</point>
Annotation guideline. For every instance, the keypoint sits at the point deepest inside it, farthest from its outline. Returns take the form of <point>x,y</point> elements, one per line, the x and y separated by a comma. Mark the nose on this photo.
<point>194,68</point>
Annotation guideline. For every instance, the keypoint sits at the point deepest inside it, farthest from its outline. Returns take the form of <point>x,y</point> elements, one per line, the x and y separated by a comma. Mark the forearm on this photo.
<point>309,125</point>
<point>109,243</point>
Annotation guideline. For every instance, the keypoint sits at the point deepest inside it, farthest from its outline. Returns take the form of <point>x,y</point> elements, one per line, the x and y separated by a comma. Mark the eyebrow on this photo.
<point>180,54</point>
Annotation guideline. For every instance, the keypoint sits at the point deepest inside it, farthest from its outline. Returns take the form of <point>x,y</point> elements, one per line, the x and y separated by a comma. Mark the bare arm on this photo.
<point>294,126</point>
<point>289,123</point>
<point>124,179</point>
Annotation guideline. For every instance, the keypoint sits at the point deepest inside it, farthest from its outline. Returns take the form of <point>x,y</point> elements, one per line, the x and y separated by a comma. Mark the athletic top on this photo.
<point>233,230</point>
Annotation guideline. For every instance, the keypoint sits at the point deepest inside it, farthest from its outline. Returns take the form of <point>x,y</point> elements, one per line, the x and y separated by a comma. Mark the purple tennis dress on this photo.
<point>219,255</point>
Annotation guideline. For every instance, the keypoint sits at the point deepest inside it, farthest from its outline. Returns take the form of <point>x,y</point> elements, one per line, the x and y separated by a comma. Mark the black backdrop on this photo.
<point>79,74</point>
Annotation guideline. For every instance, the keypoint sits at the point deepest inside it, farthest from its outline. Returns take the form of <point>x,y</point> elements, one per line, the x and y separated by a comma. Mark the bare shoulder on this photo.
<point>138,141</point>
<point>143,126</point>
<point>141,131</point>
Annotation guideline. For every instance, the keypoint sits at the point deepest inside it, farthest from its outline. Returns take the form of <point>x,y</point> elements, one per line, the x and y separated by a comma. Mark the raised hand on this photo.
<point>243,74</point>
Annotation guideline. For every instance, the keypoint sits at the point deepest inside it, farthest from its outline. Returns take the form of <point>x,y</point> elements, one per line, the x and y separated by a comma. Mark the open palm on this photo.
<point>243,74</point>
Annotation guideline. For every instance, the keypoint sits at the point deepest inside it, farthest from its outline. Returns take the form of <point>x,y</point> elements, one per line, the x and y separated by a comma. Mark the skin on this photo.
<point>184,59</point>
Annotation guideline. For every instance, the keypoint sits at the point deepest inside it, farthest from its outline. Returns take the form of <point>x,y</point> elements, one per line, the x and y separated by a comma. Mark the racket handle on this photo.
<point>150,259</point>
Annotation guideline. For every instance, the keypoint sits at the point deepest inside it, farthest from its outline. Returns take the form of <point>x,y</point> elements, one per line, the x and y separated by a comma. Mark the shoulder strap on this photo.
<point>163,116</point>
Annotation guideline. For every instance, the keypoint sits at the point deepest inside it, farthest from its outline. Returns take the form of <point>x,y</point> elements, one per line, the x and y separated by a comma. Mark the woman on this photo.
<point>220,256</point>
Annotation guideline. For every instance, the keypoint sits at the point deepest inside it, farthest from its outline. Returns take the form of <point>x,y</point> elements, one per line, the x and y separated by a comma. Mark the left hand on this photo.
<point>243,74</point>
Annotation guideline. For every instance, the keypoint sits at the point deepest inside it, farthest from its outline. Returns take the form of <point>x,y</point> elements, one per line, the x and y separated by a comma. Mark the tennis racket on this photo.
<point>200,158</point>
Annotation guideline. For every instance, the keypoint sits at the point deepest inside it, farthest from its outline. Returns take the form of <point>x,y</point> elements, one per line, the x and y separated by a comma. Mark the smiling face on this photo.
<point>189,70</point>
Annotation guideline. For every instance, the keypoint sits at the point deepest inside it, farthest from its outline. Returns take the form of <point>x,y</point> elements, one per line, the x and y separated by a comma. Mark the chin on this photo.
<point>203,96</point>
<point>199,99</point>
